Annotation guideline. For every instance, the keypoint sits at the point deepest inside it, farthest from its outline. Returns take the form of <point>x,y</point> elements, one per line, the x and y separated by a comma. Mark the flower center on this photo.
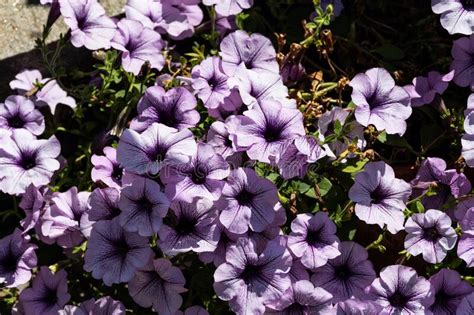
<point>272,134</point>
<point>377,196</point>
<point>28,161</point>
<point>8,263</point>
<point>198,175</point>
<point>244,198</point>
<point>16,122</point>
<point>343,272</point>
<point>313,237</point>
<point>117,172</point>
<point>398,300</point>
<point>468,4</point>
<point>50,297</point>
<point>431,234</point>
<point>249,273</point>
<point>145,205</point>
<point>185,225</point>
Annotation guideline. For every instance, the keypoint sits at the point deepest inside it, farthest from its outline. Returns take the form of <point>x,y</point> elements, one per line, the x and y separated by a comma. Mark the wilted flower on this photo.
<point>219,138</point>
<point>457,16</point>
<point>380,102</point>
<point>103,306</point>
<point>18,112</point>
<point>449,290</point>
<point>229,7</point>
<point>380,197</point>
<point>32,203</point>
<point>104,204</point>
<point>107,169</point>
<point>48,294</point>
<point>462,64</point>
<point>424,89</point>
<point>158,284</point>
<point>313,239</point>
<point>174,108</point>
<point>114,254</point>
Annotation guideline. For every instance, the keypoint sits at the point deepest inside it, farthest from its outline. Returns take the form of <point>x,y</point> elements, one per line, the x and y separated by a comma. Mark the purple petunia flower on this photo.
<point>401,291</point>
<point>249,279</point>
<point>24,160</point>
<point>430,234</point>
<point>47,92</point>
<point>449,290</point>
<point>313,239</point>
<point>158,146</point>
<point>113,254</point>
<point>264,130</point>
<point>380,197</point>
<point>457,16</point>
<point>32,203</point>
<point>247,200</point>
<point>229,7</point>
<point>104,204</point>
<point>17,259</point>
<point>217,257</point>
<point>380,102</point>
<point>48,294</point>
<point>302,298</point>
<point>252,51</point>
<point>211,86</point>
<point>463,64</point>
<point>348,274</point>
<point>158,284</point>
<point>174,108</point>
<point>89,25</point>
<point>424,89</point>
<point>358,307</point>
<point>465,248</point>
<point>18,112</point>
<point>193,310</point>
<point>201,176</point>
<point>219,138</point>
<point>107,169</point>
<point>466,307</point>
<point>193,227</point>
<point>467,140</point>
<point>66,219</point>
<point>143,207</point>
<point>103,306</point>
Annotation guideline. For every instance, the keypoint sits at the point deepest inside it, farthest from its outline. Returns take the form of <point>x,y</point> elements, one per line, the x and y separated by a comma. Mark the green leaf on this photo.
<point>390,52</point>
<point>325,186</point>
<point>352,234</point>
<point>382,137</point>
<point>359,165</point>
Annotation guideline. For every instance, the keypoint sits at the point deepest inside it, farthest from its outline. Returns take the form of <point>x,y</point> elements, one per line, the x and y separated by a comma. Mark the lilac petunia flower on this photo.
<point>174,108</point>
<point>143,207</point>
<point>158,284</point>
<point>138,45</point>
<point>219,138</point>
<point>107,169</point>
<point>313,239</point>
<point>252,51</point>
<point>18,112</point>
<point>48,294</point>
<point>202,176</point>
<point>467,140</point>
<point>449,290</point>
<point>465,248</point>
<point>229,7</point>
<point>462,64</point>
<point>32,203</point>
<point>217,257</point>
<point>66,219</point>
<point>158,146</point>
<point>17,259</point>
<point>380,197</point>
<point>104,204</point>
<point>249,279</point>
<point>47,91</point>
<point>466,306</point>
<point>457,16</point>
<point>24,160</point>
<point>424,89</point>
<point>193,228</point>
<point>103,306</point>
<point>348,274</point>
<point>302,298</point>
<point>264,130</point>
<point>399,290</point>
<point>430,234</point>
<point>247,201</point>
<point>380,102</point>
<point>113,254</point>
<point>358,307</point>
<point>448,182</point>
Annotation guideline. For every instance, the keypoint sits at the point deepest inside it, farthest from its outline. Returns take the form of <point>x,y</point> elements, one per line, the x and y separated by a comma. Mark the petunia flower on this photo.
<point>219,138</point>
<point>193,310</point>
<point>217,257</point>
<point>467,140</point>
<point>430,234</point>
<point>399,290</point>
<point>462,64</point>
<point>174,108</point>
<point>423,90</point>
<point>248,279</point>
<point>17,259</point>
<point>147,153</point>
<point>138,45</point>
<point>24,160</point>
<point>448,182</point>
<point>48,294</point>
<point>465,248</point>
<point>265,130</point>
<point>104,204</point>
<point>380,197</point>
<point>229,7</point>
<point>201,176</point>
<point>66,220</point>
<point>466,306</point>
<point>90,27</point>
<point>103,306</point>
<point>358,307</point>
<point>18,112</point>
<point>348,274</point>
<point>107,169</point>
<point>457,16</point>
<point>47,92</point>
<point>247,201</point>
<point>380,102</point>
<point>113,254</point>
<point>143,207</point>
<point>158,285</point>
<point>32,203</point>
<point>252,51</point>
<point>449,290</point>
